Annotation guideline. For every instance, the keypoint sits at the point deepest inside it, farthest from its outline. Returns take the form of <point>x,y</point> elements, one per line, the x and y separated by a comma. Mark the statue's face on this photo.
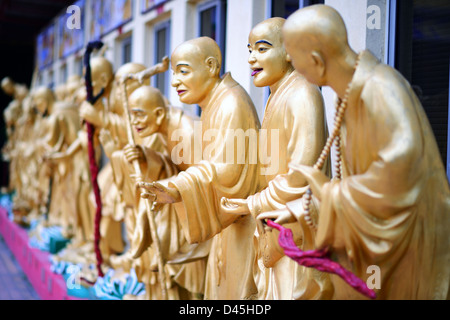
<point>95,81</point>
<point>143,118</point>
<point>40,103</point>
<point>268,58</point>
<point>191,76</point>
<point>100,76</point>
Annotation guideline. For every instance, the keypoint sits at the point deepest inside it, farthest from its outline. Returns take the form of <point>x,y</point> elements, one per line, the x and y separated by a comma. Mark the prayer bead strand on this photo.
<point>334,138</point>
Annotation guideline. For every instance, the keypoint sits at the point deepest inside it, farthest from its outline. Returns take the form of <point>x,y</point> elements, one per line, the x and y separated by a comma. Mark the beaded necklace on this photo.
<point>334,138</point>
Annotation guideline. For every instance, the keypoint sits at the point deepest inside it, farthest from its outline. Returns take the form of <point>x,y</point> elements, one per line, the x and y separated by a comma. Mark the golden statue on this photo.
<point>60,126</point>
<point>117,197</point>
<point>27,201</point>
<point>293,131</point>
<point>107,116</point>
<point>74,86</point>
<point>113,136</point>
<point>227,111</point>
<point>186,266</point>
<point>390,207</point>
<point>11,115</point>
<point>61,92</point>
<point>81,248</point>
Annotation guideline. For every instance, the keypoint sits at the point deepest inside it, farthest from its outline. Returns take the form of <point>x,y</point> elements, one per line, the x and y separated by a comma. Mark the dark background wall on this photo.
<point>20,22</point>
<point>17,63</point>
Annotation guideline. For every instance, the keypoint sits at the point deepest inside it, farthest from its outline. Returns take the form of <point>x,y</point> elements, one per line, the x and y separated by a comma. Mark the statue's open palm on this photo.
<point>162,194</point>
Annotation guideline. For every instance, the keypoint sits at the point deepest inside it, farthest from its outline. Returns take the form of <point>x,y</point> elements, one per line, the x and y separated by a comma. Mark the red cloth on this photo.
<point>319,260</point>
<point>98,200</point>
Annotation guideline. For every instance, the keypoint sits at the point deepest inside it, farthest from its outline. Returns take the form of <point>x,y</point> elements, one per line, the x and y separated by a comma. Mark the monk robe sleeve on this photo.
<point>116,124</point>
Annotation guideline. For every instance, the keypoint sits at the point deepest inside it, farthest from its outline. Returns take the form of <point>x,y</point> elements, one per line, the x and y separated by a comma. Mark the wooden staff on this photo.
<point>144,193</point>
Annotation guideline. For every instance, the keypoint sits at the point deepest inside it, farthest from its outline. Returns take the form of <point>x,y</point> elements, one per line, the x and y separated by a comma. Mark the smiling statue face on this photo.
<point>192,76</point>
<point>147,110</point>
<point>268,59</point>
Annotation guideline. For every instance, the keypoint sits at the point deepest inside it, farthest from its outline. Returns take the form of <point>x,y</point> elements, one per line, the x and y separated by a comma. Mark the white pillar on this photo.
<point>183,26</point>
<point>354,15</point>
<point>138,37</point>
<point>242,16</point>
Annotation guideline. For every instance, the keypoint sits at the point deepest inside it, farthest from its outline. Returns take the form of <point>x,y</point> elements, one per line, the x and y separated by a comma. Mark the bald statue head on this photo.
<point>132,84</point>
<point>196,65</point>
<point>130,68</point>
<point>8,86</point>
<point>147,110</point>
<point>61,92</point>
<point>268,58</point>
<point>316,36</point>
<point>102,74</point>
<point>74,83</point>
<point>43,100</point>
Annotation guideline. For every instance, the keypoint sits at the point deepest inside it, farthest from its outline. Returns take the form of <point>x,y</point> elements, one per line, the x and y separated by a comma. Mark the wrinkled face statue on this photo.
<point>194,73</point>
<point>147,110</point>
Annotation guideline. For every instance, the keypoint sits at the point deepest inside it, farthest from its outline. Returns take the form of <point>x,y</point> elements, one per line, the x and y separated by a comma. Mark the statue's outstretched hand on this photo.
<point>165,64</point>
<point>281,217</point>
<point>160,192</point>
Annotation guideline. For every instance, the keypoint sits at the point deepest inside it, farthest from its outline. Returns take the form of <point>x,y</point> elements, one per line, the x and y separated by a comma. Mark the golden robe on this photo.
<point>25,160</point>
<point>113,210</point>
<point>391,209</point>
<point>12,114</point>
<point>229,272</point>
<point>295,114</point>
<point>62,127</point>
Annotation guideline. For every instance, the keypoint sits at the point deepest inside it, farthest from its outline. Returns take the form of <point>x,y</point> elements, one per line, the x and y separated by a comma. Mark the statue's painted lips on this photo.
<point>256,71</point>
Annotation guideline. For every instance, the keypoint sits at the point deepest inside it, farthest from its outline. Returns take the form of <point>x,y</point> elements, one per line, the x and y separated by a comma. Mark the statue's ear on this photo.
<point>213,66</point>
<point>160,113</point>
<point>288,58</point>
<point>104,80</point>
<point>319,62</point>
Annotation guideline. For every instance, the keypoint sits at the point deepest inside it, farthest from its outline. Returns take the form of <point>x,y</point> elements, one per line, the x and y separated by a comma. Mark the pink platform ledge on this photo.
<point>34,263</point>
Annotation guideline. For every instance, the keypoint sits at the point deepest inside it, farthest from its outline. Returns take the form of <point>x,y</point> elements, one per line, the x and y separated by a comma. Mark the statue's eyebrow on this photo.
<point>260,41</point>
<point>264,41</point>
